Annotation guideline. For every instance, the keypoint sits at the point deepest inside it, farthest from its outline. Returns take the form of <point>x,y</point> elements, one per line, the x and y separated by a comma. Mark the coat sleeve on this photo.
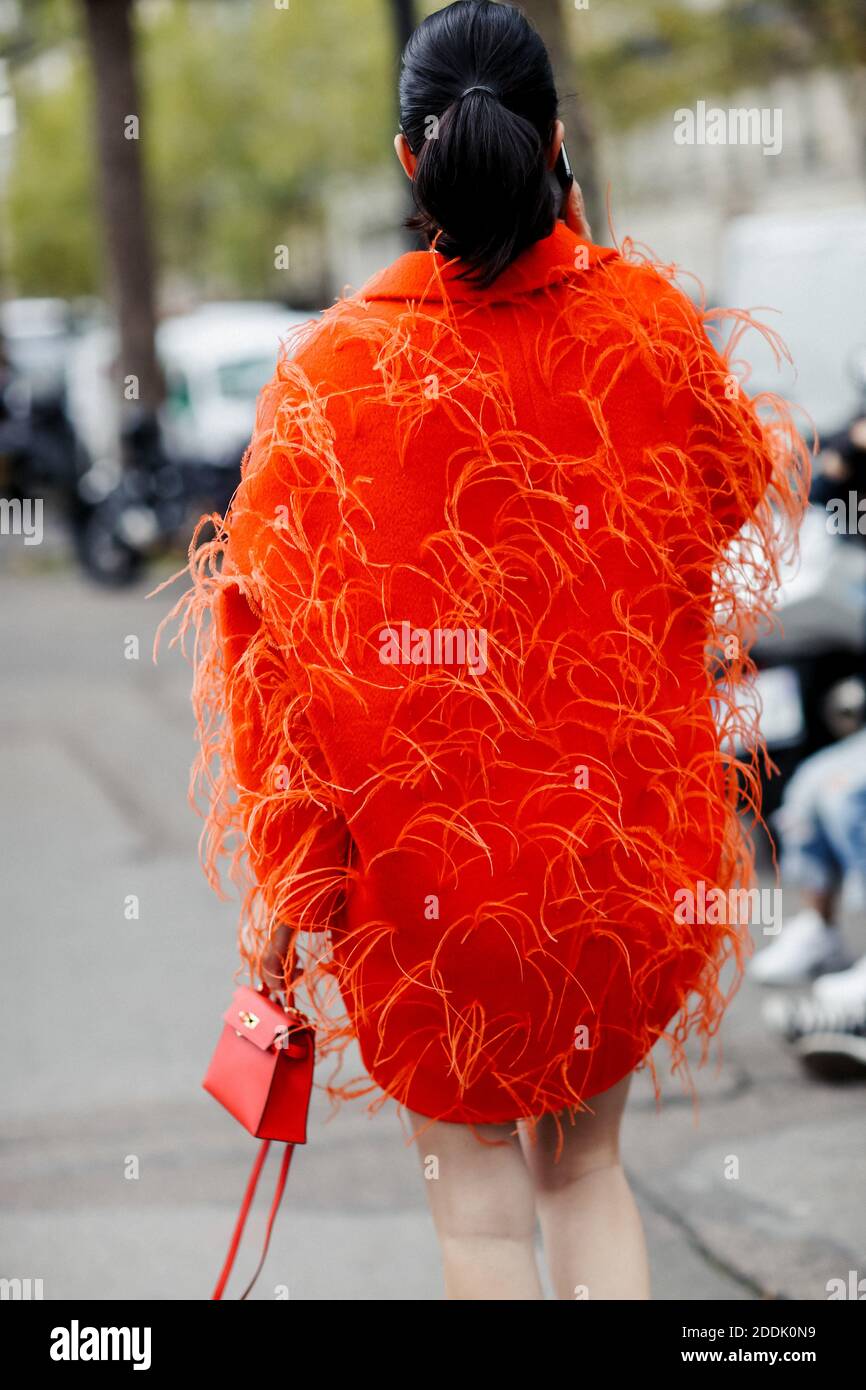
<point>744,451</point>
<point>297,842</point>
<point>272,805</point>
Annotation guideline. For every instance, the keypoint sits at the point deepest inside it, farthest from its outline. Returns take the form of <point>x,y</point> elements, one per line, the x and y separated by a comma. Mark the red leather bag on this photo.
<point>262,1072</point>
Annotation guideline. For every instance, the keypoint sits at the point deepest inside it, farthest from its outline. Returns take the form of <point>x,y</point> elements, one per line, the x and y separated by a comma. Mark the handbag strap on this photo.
<point>247,1202</point>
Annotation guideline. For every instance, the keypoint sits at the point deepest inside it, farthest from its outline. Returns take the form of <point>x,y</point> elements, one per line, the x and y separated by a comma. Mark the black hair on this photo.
<point>481,180</point>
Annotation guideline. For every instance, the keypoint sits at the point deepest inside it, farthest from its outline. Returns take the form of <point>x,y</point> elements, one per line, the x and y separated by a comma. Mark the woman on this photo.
<point>458,723</point>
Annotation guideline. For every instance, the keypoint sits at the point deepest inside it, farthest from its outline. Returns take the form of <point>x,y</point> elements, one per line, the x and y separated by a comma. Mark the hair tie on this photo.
<point>477,87</point>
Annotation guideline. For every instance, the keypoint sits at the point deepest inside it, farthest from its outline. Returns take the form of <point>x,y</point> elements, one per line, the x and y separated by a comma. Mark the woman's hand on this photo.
<point>273,965</point>
<point>575,213</point>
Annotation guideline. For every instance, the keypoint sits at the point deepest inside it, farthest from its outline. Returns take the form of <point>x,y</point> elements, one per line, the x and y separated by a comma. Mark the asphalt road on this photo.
<point>108,1024</point>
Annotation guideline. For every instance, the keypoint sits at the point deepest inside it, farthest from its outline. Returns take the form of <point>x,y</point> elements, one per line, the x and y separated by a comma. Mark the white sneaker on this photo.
<point>805,947</point>
<point>846,988</point>
<point>829,1039</point>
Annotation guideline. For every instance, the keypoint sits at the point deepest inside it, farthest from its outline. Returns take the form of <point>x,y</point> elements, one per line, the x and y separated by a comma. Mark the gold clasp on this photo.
<point>248,1020</point>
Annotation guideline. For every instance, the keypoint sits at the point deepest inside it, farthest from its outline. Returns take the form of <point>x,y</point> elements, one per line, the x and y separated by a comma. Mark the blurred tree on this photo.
<point>54,243</point>
<point>403,13</point>
<point>837,31</point>
<point>645,57</point>
<point>250,110</point>
<point>253,110</point>
<point>126,226</point>
<point>404,21</point>
<point>52,249</point>
<point>547,16</point>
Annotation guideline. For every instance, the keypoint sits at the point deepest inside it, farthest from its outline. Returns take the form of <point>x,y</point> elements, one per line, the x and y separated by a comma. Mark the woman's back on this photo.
<point>480,527</point>
<point>469,647</point>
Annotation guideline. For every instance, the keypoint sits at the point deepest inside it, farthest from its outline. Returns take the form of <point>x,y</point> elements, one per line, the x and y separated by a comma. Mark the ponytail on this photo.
<point>478,107</point>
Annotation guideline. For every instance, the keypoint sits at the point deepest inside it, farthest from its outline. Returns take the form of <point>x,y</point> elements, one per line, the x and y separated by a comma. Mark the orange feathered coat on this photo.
<point>457,643</point>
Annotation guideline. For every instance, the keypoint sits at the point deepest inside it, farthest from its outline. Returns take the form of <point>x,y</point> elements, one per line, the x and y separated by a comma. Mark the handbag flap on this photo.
<point>257,1018</point>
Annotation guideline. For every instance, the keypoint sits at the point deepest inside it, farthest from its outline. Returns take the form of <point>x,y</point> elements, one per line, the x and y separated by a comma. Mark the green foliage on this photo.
<point>54,232</point>
<point>662,54</point>
<point>246,110</point>
<point>248,113</point>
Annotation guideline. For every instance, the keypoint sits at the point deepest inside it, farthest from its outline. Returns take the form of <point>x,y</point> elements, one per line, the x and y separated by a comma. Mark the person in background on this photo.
<point>822,824</point>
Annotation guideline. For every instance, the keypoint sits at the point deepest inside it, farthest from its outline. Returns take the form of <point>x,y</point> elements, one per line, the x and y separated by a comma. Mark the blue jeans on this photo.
<point>822,819</point>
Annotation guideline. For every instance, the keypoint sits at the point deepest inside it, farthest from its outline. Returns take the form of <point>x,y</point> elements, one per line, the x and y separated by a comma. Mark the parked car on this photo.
<point>127,494</point>
<point>36,335</point>
<point>215,360</point>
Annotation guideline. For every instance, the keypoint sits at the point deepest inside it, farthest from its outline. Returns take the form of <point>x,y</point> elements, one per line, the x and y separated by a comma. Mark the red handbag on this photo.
<point>262,1072</point>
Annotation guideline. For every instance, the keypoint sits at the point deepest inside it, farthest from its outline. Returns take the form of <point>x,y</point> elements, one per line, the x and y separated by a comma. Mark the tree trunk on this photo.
<point>546,15</point>
<point>121,178</point>
<point>404,22</point>
<point>403,16</point>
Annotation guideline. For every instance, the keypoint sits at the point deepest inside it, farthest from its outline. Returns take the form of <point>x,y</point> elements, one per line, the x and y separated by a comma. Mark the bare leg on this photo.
<point>483,1206</point>
<point>593,1236</point>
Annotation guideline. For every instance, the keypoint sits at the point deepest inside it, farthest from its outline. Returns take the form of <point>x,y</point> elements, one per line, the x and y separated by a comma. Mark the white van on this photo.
<point>215,361</point>
<point>804,275</point>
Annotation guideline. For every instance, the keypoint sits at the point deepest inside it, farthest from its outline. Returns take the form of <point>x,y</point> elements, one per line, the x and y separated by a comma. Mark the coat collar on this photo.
<point>428,275</point>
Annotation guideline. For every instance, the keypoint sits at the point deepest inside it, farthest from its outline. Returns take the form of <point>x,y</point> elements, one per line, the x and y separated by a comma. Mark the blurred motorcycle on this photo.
<point>39,449</point>
<point>154,502</point>
<point>117,516</point>
<point>811,682</point>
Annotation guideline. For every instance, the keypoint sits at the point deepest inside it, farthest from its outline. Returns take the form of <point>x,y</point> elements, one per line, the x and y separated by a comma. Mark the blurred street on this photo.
<point>112,1021</point>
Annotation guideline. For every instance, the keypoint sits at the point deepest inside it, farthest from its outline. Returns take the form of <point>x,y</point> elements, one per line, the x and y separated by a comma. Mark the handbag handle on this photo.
<point>247,1202</point>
